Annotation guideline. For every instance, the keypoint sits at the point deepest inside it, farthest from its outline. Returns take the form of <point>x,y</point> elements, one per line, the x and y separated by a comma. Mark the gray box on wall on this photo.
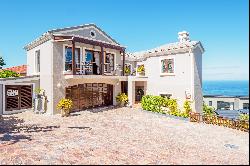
<point>1,99</point>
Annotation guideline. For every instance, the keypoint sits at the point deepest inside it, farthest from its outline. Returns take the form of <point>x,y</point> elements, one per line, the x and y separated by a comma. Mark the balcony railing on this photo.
<point>90,68</point>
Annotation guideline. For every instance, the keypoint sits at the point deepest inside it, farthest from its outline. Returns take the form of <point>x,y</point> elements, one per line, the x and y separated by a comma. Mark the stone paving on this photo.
<point>117,136</point>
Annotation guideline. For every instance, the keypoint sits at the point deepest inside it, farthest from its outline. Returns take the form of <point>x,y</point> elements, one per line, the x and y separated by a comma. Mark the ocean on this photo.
<point>227,88</point>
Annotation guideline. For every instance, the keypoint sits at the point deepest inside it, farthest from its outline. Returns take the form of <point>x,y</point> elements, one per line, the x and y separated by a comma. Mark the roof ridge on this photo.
<point>76,26</point>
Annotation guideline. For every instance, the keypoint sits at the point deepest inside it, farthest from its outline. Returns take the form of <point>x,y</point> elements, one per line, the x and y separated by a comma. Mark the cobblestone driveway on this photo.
<point>117,136</point>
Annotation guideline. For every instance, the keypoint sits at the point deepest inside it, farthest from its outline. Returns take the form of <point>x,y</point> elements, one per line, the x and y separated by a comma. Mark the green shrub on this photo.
<point>244,117</point>
<point>158,103</point>
<point>172,105</point>
<point>8,73</point>
<point>152,103</point>
<point>187,108</point>
<point>207,110</point>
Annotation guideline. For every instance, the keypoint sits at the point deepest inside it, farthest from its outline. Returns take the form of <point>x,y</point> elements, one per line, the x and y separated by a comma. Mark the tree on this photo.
<point>1,62</point>
<point>8,73</point>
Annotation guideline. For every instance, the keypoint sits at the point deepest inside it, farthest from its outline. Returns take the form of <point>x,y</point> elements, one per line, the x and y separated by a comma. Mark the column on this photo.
<point>73,58</point>
<point>123,64</point>
<point>131,92</point>
<point>102,61</point>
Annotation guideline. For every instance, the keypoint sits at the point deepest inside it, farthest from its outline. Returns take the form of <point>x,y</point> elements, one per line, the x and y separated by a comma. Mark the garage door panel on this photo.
<point>18,97</point>
<point>90,95</point>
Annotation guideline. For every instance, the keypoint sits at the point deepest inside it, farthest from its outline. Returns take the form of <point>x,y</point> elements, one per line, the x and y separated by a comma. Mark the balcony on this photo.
<point>86,68</point>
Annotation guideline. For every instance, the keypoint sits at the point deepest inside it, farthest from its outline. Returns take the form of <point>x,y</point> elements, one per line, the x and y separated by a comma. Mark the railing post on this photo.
<point>102,61</point>
<point>123,63</point>
<point>73,57</point>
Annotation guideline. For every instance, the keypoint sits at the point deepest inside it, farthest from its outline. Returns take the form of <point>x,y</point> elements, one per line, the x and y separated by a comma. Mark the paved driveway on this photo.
<point>117,136</point>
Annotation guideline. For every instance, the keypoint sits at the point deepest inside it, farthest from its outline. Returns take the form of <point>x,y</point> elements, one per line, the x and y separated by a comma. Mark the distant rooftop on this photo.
<point>22,69</point>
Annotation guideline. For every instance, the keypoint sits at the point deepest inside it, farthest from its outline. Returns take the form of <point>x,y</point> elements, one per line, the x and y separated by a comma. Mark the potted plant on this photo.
<point>141,70</point>
<point>122,99</point>
<point>127,70</point>
<point>65,106</point>
<point>39,92</point>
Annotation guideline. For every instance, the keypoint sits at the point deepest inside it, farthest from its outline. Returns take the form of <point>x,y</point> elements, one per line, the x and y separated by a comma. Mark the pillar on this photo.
<point>131,92</point>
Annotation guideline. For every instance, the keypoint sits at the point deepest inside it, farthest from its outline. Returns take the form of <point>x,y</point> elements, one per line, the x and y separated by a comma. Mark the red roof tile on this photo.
<point>19,69</point>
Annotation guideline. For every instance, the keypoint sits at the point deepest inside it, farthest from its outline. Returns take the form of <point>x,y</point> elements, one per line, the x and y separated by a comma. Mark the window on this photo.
<point>92,34</point>
<point>68,57</point>
<point>167,66</point>
<point>210,103</point>
<point>109,63</point>
<point>221,105</point>
<point>166,95</point>
<point>37,59</point>
<point>245,105</point>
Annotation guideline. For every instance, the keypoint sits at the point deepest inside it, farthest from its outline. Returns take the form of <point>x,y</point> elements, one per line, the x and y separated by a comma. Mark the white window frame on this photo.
<point>104,58</point>
<point>168,74</point>
<point>35,59</point>
<point>130,67</point>
<point>137,74</point>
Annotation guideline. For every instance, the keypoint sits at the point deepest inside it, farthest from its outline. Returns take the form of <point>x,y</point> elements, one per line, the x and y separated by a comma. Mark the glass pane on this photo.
<point>89,56</point>
<point>77,55</point>
<point>170,66</point>
<point>163,66</point>
<point>68,54</point>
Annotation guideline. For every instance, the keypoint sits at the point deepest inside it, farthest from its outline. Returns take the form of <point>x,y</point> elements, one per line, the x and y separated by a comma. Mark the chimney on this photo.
<point>183,36</point>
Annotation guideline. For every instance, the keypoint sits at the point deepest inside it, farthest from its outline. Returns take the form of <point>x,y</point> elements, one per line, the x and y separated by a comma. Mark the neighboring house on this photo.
<point>22,69</point>
<point>85,64</point>
<point>227,102</point>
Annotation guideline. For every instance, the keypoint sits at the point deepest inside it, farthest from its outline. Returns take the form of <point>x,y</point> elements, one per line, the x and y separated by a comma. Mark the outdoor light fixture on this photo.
<point>58,85</point>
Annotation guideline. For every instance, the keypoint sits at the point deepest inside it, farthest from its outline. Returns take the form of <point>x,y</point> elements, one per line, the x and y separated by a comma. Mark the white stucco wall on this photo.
<point>175,84</point>
<point>34,81</point>
<point>187,77</point>
<point>46,69</point>
<point>241,101</point>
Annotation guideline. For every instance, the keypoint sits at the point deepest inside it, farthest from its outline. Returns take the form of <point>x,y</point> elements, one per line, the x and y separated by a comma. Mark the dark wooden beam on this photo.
<point>73,58</point>
<point>102,61</point>
<point>87,41</point>
<point>123,63</point>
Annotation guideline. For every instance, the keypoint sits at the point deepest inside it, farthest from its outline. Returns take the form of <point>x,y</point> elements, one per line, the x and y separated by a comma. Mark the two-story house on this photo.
<point>85,64</point>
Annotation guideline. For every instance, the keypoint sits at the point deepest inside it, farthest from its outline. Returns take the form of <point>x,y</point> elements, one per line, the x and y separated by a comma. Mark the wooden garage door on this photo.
<point>90,95</point>
<point>18,97</point>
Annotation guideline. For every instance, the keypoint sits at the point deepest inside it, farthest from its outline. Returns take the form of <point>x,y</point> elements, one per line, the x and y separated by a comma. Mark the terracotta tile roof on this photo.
<point>19,69</point>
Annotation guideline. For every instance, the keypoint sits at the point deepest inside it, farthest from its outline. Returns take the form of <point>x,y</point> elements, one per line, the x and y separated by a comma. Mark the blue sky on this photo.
<point>221,25</point>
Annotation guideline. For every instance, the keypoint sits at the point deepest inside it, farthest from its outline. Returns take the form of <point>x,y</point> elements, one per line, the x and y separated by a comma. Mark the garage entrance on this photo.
<point>90,95</point>
<point>18,97</point>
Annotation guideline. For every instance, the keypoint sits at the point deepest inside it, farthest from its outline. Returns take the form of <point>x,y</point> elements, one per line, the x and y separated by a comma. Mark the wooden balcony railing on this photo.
<point>86,68</point>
